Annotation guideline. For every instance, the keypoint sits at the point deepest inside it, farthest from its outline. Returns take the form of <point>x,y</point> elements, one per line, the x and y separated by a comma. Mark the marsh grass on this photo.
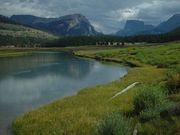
<point>163,56</point>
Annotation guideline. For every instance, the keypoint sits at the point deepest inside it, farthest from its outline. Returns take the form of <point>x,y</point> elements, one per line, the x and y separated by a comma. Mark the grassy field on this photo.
<point>79,114</point>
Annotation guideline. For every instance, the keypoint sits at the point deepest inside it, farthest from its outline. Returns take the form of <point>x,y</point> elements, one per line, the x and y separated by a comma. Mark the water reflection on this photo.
<point>29,82</point>
<point>40,63</point>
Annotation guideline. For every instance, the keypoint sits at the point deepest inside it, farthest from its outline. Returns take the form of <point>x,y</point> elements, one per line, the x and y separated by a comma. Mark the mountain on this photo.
<point>164,27</point>
<point>133,27</point>
<point>14,34</point>
<point>172,23</point>
<point>69,25</point>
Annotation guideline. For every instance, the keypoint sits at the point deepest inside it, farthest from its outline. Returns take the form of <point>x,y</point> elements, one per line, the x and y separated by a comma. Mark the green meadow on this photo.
<point>147,106</point>
<point>163,55</point>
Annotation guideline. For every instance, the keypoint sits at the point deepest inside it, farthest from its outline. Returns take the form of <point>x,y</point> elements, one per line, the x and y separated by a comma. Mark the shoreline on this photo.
<point>129,63</point>
<point>79,114</point>
<point>99,101</point>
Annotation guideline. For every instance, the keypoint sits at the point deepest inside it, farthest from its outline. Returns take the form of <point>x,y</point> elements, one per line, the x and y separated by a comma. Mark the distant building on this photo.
<point>102,43</point>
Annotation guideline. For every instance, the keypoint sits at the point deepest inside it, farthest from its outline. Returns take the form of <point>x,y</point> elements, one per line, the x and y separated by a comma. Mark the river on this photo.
<point>29,82</point>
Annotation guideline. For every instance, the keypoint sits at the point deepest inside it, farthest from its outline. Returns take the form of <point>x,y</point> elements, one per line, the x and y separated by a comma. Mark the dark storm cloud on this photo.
<point>106,15</point>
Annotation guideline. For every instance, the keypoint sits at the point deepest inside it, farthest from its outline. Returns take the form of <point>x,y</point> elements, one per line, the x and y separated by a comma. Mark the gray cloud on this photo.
<point>106,15</point>
<point>26,0</point>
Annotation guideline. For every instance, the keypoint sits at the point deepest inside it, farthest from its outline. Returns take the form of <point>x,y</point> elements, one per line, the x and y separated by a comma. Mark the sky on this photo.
<point>107,16</point>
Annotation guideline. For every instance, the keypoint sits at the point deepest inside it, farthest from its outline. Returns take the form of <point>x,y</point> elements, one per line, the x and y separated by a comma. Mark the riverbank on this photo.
<point>78,115</point>
<point>13,53</point>
<point>16,52</point>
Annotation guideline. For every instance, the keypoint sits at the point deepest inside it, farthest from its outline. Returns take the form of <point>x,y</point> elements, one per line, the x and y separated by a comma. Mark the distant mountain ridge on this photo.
<point>79,25</point>
<point>136,27</point>
<point>69,25</point>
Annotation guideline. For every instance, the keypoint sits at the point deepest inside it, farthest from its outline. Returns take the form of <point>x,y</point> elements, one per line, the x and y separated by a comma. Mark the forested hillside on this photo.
<point>13,34</point>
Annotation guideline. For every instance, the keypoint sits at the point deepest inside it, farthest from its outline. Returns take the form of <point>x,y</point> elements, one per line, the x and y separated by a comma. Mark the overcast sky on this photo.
<point>107,16</point>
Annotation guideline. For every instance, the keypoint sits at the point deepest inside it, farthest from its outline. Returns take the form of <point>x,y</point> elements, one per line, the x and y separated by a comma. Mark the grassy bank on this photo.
<point>79,114</point>
<point>16,52</point>
<point>13,52</point>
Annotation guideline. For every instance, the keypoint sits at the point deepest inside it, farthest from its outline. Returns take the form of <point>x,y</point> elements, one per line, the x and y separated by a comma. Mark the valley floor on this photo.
<point>79,114</point>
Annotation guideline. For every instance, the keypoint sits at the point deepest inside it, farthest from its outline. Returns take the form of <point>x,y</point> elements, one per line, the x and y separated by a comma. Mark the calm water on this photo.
<point>31,81</point>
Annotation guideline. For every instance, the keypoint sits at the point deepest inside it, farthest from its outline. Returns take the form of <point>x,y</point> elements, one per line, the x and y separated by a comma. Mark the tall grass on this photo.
<point>173,81</point>
<point>149,97</point>
<point>150,101</point>
<point>114,124</point>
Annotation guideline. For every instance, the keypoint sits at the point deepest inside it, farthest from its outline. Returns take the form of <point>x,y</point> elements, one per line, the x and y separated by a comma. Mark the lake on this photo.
<point>31,81</point>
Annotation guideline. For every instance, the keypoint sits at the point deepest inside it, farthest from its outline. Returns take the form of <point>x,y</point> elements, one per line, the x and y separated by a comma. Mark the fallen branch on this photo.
<point>124,90</point>
<point>135,132</point>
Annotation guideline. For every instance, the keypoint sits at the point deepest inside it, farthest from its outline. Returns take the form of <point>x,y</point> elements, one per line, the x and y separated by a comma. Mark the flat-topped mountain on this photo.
<point>133,27</point>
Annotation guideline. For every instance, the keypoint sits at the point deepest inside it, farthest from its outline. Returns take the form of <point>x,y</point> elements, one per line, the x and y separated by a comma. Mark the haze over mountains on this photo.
<point>29,35</point>
<point>79,25</point>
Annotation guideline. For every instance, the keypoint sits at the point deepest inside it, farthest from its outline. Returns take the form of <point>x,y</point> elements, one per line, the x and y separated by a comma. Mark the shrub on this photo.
<point>149,114</point>
<point>155,112</point>
<point>157,127</point>
<point>149,97</point>
<point>173,82</point>
<point>114,124</point>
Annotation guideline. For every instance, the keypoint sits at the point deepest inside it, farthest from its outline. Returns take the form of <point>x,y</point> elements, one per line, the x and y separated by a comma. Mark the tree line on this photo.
<point>109,39</point>
<point>6,40</point>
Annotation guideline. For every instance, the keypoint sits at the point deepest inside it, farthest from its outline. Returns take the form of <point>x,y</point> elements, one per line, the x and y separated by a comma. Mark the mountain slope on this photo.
<point>170,24</point>
<point>13,34</point>
<point>70,25</point>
